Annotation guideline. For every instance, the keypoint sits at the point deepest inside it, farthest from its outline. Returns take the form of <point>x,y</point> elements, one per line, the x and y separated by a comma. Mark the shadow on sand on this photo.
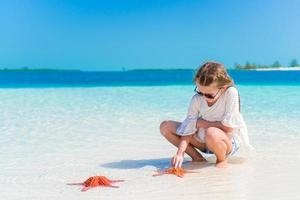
<point>159,163</point>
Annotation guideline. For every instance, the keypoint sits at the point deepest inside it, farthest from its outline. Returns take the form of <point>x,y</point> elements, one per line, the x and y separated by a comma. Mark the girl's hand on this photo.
<point>177,160</point>
<point>201,123</point>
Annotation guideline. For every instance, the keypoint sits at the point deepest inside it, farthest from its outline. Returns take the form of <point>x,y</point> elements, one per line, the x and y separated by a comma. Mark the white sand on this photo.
<point>279,69</point>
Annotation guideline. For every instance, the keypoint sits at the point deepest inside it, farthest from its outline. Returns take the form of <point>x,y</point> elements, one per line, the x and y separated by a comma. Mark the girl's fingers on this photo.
<point>177,163</point>
<point>173,161</point>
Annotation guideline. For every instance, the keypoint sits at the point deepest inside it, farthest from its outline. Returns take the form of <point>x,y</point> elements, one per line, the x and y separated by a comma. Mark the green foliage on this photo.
<point>294,63</point>
<point>276,64</point>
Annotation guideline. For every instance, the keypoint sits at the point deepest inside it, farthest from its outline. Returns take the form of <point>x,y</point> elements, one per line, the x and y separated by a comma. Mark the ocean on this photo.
<point>62,127</point>
<point>40,78</point>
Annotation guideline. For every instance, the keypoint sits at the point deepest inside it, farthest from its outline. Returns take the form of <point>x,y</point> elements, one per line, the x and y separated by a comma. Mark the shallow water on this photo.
<point>53,136</point>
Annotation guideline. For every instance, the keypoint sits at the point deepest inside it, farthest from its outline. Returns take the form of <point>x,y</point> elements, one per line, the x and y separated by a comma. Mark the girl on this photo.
<point>213,123</point>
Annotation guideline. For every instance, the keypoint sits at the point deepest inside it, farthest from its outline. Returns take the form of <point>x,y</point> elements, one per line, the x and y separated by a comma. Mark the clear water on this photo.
<point>53,136</point>
<point>34,79</point>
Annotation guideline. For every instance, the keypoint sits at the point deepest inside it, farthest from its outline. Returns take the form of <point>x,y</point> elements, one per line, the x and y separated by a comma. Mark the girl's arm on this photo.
<point>178,158</point>
<point>201,123</point>
<point>187,128</point>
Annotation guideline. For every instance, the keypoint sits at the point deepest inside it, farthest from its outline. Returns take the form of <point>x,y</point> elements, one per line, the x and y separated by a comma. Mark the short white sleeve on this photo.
<point>232,117</point>
<point>188,126</point>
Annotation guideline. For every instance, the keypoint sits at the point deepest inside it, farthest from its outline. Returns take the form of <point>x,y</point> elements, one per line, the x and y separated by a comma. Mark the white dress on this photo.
<point>224,110</point>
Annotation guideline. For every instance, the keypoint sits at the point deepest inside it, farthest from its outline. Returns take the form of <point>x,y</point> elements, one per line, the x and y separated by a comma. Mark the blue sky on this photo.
<point>112,34</point>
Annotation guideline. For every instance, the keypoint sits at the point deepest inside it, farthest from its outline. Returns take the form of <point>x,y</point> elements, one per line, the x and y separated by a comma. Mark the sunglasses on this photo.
<point>209,96</point>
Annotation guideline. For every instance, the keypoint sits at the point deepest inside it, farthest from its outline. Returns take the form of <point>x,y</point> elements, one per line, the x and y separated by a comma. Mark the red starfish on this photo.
<point>176,171</point>
<point>95,181</point>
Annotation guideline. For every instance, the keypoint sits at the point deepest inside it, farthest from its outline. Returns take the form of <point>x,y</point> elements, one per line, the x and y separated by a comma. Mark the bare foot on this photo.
<point>222,164</point>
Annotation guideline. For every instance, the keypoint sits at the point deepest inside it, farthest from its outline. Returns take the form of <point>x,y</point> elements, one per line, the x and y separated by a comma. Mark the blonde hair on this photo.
<point>213,72</point>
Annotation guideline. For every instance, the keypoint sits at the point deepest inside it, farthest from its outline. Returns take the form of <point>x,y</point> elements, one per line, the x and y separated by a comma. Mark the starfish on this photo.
<point>176,171</point>
<point>95,181</point>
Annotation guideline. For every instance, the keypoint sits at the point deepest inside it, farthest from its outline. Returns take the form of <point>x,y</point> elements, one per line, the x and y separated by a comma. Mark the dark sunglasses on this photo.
<point>209,96</point>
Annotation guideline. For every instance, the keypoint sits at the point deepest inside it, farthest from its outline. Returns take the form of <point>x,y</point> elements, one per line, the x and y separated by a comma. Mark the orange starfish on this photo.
<point>176,171</point>
<point>95,181</point>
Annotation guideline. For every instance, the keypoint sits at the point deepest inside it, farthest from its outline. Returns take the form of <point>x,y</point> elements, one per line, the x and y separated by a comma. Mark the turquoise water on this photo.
<point>51,136</point>
<point>34,79</point>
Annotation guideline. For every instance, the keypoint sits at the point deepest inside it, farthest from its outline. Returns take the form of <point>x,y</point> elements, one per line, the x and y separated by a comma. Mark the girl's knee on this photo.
<point>213,130</point>
<point>164,127</point>
<point>219,147</point>
<point>211,134</point>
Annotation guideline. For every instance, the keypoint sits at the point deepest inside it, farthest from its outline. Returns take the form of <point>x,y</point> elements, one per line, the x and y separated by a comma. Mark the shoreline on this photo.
<point>277,69</point>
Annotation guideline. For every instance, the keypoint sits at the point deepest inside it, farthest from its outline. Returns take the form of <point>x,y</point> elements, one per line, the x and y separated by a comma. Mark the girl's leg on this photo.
<point>168,130</point>
<point>218,142</point>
